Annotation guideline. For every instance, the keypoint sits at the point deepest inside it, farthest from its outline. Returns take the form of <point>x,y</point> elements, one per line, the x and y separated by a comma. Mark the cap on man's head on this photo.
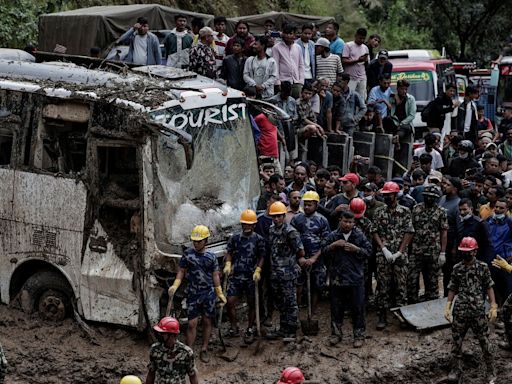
<point>491,145</point>
<point>323,42</point>
<point>352,177</point>
<point>486,134</point>
<point>205,31</point>
<point>383,53</point>
<point>370,187</point>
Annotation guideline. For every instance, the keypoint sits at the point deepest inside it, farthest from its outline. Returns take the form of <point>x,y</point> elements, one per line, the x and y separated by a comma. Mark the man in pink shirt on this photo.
<point>355,55</point>
<point>290,64</point>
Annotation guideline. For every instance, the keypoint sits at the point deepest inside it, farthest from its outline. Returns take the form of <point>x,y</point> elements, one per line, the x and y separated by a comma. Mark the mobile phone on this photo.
<point>275,34</point>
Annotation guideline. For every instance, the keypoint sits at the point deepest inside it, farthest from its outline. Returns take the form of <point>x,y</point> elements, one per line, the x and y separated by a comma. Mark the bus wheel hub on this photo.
<point>51,306</point>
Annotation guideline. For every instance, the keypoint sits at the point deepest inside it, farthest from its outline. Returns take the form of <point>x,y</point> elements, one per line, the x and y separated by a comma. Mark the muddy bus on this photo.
<point>102,177</point>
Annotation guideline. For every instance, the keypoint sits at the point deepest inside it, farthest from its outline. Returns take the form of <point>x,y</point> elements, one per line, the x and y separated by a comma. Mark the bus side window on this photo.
<point>6,145</point>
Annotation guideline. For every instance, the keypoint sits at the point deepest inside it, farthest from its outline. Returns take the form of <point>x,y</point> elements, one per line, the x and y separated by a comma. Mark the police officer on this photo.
<point>170,361</point>
<point>506,310</point>
<point>393,233</point>
<point>244,261</point>
<point>346,250</point>
<point>469,279</point>
<point>202,271</point>
<point>285,248</point>
<point>313,228</point>
<point>428,245</point>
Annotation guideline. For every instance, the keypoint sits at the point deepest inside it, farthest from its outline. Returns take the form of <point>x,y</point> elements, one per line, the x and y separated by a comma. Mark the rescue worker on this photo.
<point>202,271</point>
<point>393,233</point>
<point>506,310</point>
<point>346,250</point>
<point>3,365</point>
<point>469,280</point>
<point>285,249</point>
<point>358,207</point>
<point>130,379</point>
<point>244,261</point>
<point>313,228</point>
<point>170,361</point>
<point>291,375</point>
<point>428,245</point>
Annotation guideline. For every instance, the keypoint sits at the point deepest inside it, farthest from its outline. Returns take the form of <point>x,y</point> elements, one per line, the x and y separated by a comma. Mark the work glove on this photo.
<point>442,258</point>
<point>220,295</point>
<point>448,312</point>
<point>493,313</point>
<point>501,263</point>
<point>396,255</point>
<point>387,254</point>
<point>257,274</point>
<point>227,268</point>
<point>173,288</point>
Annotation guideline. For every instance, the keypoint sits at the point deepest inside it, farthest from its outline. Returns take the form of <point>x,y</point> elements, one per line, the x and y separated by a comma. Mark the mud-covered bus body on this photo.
<point>102,177</point>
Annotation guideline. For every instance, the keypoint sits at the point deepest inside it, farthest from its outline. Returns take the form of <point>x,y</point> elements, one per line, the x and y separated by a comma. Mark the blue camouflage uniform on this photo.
<point>285,243</point>
<point>346,273</point>
<point>246,252</point>
<point>313,229</point>
<point>201,295</point>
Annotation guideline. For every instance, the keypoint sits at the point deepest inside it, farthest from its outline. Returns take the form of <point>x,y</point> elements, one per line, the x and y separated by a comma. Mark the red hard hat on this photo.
<point>291,375</point>
<point>358,207</point>
<point>352,177</point>
<point>468,244</point>
<point>390,187</point>
<point>168,325</point>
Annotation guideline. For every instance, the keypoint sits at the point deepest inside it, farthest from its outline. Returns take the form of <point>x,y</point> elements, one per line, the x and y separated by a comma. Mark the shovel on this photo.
<point>258,348</point>
<point>309,327</point>
<point>224,354</point>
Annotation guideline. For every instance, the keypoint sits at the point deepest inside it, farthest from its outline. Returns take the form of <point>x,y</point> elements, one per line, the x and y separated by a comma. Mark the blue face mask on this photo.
<point>499,217</point>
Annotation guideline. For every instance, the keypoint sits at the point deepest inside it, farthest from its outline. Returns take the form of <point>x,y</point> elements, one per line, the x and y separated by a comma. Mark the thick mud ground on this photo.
<point>43,352</point>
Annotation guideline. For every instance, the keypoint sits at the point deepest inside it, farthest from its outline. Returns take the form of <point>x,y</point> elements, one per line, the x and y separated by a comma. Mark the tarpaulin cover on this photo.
<point>257,22</point>
<point>81,29</point>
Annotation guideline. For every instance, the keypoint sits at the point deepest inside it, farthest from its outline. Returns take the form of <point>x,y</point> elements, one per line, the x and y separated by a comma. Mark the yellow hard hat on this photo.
<point>200,232</point>
<point>311,196</point>
<point>130,379</point>
<point>248,217</point>
<point>277,208</point>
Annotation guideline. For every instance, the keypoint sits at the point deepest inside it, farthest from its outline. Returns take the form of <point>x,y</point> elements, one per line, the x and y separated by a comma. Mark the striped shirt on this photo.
<point>328,67</point>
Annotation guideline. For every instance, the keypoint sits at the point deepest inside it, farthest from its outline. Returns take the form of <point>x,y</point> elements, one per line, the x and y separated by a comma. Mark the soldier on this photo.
<point>285,248</point>
<point>393,233</point>
<point>358,208</point>
<point>244,260</point>
<point>202,271</point>
<point>313,228</point>
<point>3,365</point>
<point>428,245</point>
<point>170,361</point>
<point>506,310</point>
<point>469,280</point>
<point>347,248</point>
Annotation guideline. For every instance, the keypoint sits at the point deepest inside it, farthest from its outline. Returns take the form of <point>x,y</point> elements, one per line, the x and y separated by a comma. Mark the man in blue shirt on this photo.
<point>380,95</point>
<point>331,33</point>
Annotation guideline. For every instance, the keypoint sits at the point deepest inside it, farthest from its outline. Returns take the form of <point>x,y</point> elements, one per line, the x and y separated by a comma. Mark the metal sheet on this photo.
<point>429,314</point>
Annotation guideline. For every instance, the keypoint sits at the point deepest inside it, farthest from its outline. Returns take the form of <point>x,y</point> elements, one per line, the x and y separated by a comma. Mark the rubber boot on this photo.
<point>382,323</point>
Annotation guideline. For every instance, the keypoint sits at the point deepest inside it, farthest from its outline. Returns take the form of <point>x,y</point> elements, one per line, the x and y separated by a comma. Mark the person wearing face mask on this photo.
<point>464,161</point>
<point>428,245</point>
<point>500,230</point>
<point>393,233</point>
<point>470,225</point>
<point>470,278</point>
<point>369,191</point>
<point>245,253</point>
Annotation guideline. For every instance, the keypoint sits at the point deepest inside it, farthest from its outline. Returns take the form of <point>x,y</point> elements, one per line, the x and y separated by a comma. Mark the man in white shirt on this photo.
<point>430,142</point>
<point>308,53</point>
<point>221,39</point>
<point>355,56</point>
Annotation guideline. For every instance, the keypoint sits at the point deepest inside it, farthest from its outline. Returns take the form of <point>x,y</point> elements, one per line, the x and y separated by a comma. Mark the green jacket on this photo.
<point>410,112</point>
<point>171,46</point>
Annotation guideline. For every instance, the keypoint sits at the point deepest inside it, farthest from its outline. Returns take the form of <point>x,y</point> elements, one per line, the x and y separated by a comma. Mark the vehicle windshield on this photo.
<point>504,85</point>
<point>421,84</point>
<point>206,175</point>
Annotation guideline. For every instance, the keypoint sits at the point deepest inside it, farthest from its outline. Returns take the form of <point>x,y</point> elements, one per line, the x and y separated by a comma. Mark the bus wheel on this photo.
<point>48,293</point>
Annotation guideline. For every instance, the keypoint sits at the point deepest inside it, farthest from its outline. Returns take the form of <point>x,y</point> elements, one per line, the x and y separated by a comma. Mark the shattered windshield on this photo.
<point>206,172</point>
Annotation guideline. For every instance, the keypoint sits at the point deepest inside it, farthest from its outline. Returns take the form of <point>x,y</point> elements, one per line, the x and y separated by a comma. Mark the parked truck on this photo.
<point>103,176</point>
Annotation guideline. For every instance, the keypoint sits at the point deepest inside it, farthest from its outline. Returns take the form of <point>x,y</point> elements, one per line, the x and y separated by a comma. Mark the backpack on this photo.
<point>425,114</point>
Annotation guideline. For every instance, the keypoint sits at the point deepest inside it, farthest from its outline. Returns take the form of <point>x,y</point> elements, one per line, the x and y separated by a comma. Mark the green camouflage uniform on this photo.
<point>392,226</point>
<point>428,223</point>
<point>506,313</point>
<point>469,282</point>
<point>3,365</point>
<point>171,366</point>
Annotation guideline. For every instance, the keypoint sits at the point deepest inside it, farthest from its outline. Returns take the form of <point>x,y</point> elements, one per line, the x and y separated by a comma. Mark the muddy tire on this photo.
<point>48,293</point>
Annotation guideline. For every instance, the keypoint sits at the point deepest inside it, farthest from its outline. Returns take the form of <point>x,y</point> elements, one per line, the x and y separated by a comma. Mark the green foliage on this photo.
<point>19,22</point>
